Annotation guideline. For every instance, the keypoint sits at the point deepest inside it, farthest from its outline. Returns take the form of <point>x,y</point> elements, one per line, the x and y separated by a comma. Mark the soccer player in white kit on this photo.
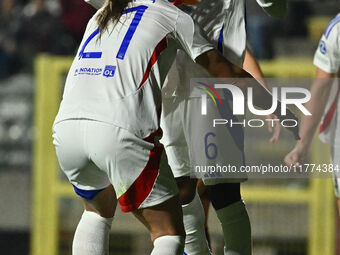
<point>223,24</point>
<point>109,118</point>
<point>324,104</point>
<point>107,129</point>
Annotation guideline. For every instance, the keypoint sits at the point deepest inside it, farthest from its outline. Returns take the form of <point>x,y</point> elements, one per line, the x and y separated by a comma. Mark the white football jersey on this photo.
<point>327,56</point>
<point>117,78</point>
<point>223,23</point>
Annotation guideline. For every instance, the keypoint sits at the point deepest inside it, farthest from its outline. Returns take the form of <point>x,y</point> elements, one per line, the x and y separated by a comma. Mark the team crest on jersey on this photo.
<point>323,48</point>
<point>109,71</point>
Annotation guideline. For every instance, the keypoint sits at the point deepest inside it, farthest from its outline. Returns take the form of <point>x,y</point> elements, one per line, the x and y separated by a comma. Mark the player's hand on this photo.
<point>297,156</point>
<point>274,127</point>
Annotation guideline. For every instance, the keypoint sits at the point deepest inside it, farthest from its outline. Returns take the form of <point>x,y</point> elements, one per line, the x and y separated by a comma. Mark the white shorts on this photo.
<point>95,154</point>
<point>214,150</point>
<point>190,142</point>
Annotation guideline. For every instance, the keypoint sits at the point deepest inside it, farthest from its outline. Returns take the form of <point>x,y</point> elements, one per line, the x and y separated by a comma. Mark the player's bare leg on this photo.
<point>187,189</point>
<point>92,234</point>
<point>205,200</point>
<point>104,203</point>
<point>193,217</point>
<point>165,223</point>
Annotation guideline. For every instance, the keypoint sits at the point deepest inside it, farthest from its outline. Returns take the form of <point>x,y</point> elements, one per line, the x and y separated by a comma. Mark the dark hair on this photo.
<point>112,10</point>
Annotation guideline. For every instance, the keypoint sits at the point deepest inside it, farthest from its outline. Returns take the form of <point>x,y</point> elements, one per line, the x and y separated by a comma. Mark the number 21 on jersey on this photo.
<point>127,38</point>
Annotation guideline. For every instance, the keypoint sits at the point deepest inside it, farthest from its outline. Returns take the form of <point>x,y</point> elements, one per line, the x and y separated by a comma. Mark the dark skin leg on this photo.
<point>203,193</point>
<point>187,189</point>
<point>225,194</point>
<point>221,195</point>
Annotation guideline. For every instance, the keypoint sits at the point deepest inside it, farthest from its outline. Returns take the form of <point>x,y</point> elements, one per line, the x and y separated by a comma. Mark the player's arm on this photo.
<point>96,3</point>
<point>220,67</point>
<point>252,66</point>
<point>327,60</point>
<point>190,39</point>
<point>275,8</point>
<point>320,92</point>
<point>319,96</point>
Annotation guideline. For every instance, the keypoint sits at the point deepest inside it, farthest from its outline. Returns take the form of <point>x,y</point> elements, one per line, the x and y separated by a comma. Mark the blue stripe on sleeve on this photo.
<point>331,25</point>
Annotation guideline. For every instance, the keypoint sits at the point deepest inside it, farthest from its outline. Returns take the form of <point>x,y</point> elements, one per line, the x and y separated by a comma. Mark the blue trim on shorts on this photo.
<point>87,194</point>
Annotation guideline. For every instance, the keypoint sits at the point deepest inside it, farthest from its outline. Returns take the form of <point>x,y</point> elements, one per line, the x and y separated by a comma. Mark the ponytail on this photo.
<point>112,10</point>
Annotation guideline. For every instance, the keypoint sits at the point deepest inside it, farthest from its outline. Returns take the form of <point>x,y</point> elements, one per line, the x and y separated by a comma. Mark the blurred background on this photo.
<point>282,225</point>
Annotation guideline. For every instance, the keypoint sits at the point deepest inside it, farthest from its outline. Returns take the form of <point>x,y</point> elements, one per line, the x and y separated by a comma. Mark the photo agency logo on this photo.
<point>228,131</point>
<point>224,95</point>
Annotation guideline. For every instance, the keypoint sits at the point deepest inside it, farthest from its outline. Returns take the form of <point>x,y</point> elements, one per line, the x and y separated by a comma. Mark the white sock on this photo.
<point>92,235</point>
<point>168,245</point>
<point>193,219</point>
<point>236,229</point>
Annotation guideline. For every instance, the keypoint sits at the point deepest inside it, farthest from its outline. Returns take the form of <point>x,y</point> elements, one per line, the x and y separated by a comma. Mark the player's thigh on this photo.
<point>163,219</point>
<point>174,138</point>
<point>104,203</point>
<point>223,195</point>
<point>187,189</point>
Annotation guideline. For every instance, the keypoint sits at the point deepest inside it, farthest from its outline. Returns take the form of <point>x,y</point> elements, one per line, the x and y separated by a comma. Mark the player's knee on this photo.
<point>225,194</point>
<point>103,211</point>
<point>104,203</point>
<point>157,234</point>
<point>187,189</point>
<point>172,229</point>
